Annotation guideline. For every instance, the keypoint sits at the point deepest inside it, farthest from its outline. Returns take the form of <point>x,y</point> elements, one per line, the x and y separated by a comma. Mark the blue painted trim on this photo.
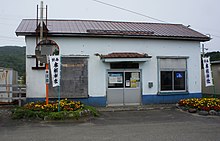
<point>35,99</point>
<point>92,101</point>
<point>173,93</point>
<point>166,99</point>
<point>146,99</point>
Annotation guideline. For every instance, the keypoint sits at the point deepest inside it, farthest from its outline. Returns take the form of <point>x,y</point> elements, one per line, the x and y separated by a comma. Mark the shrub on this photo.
<point>56,115</point>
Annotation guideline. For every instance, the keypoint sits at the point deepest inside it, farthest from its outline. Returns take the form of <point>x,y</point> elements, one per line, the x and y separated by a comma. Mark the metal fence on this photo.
<point>13,93</point>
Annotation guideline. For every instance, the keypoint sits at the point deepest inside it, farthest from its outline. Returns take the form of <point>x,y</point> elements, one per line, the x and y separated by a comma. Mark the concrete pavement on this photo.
<point>135,108</point>
<point>151,124</point>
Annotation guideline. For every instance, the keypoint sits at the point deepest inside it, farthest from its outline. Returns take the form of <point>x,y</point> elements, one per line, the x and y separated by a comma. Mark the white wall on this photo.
<point>35,79</point>
<point>97,69</point>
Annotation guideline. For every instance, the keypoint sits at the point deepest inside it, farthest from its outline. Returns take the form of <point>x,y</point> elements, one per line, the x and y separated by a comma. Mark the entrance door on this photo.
<point>124,87</point>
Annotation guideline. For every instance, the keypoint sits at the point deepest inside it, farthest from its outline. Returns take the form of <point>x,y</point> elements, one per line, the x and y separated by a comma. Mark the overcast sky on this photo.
<point>201,15</point>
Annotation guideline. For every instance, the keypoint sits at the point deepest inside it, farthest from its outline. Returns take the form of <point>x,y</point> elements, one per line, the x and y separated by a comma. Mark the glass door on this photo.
<point>132,90</point>
<point>124,87</point>
<point>115,89</point>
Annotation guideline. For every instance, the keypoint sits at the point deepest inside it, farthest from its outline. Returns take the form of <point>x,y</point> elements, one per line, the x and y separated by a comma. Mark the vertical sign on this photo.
<point>47,78</point>
<point>55,70</point>
<point>207,71</point>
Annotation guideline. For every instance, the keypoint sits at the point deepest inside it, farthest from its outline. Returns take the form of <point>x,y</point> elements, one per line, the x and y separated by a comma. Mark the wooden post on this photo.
<point>47,86</point>
<point>19,100</point>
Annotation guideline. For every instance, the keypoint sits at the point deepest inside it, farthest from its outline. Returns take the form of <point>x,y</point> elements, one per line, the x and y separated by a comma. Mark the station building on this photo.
<point>109,63</point>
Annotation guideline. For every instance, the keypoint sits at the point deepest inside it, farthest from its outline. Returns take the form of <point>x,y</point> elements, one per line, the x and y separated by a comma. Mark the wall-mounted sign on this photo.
<point>207,71</point>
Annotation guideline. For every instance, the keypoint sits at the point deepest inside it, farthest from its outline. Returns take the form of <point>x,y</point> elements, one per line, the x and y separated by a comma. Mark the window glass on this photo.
<point>132,79</point>
<point>115,80</point>
<point>166,80</point>
<point>179,80</point>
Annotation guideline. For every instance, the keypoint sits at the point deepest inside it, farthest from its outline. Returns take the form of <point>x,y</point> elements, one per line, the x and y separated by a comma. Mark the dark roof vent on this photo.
<point>119,32</point>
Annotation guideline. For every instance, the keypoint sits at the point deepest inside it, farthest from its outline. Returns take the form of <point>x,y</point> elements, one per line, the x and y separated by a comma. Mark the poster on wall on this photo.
<point>135,75</point>
<point>133,83</point>
<point>207,71</point>
<point>127,83</point>
<point>115,78</point>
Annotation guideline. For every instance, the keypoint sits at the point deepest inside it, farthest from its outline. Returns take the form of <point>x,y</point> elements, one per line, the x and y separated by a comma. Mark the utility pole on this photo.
<point>203,50</point>
<point>203,56</point>
<point>41,39</point>
<point>41,20</point>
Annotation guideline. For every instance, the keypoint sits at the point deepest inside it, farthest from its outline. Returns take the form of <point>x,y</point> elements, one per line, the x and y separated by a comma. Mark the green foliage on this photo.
<point>38,113</point>
<point>214,56</point>
<point>92,110</point>
<point>19,113</point>
<point>13,57</point>
<point>56,115</point>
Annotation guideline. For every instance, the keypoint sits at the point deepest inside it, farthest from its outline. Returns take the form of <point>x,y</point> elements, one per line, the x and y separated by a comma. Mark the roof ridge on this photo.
<point>93,20</point>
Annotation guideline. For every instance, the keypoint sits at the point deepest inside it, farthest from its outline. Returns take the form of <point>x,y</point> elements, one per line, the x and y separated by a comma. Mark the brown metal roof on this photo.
<point>112,29</point>
<point>125,55</point>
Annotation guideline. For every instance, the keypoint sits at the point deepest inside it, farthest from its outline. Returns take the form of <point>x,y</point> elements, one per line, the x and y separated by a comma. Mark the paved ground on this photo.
<point>148,124</point>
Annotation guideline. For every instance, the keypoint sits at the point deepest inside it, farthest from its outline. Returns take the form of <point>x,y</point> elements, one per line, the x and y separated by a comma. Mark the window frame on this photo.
<point>173,70</point>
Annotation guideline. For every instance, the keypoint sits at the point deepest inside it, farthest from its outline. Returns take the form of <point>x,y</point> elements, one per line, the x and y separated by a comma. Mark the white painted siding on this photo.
<point>97,69</point>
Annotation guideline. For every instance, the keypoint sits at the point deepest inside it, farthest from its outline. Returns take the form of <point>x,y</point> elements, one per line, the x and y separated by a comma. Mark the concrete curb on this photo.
<point>121,108</point>
<point>136,108</point>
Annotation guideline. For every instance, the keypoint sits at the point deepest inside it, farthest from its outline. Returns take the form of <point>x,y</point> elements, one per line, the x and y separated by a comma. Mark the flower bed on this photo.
<point>209,105</point>
<point>40,110</point>
<point>65,105</point>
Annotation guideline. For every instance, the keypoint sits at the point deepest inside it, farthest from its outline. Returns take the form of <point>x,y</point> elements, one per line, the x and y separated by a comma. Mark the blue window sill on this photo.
<point>172,93</point>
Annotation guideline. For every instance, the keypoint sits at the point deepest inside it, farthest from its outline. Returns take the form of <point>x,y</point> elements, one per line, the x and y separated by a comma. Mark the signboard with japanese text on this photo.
<point>55,70</point>
<point>207,71</point>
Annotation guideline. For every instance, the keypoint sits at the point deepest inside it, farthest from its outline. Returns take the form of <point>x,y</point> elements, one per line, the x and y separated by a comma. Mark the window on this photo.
<point>172,80</point>
<point>132,79</point>
<point>166,80</point>
<point>124,79</point>
<point>172,74</point>
<point>115,80</point>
